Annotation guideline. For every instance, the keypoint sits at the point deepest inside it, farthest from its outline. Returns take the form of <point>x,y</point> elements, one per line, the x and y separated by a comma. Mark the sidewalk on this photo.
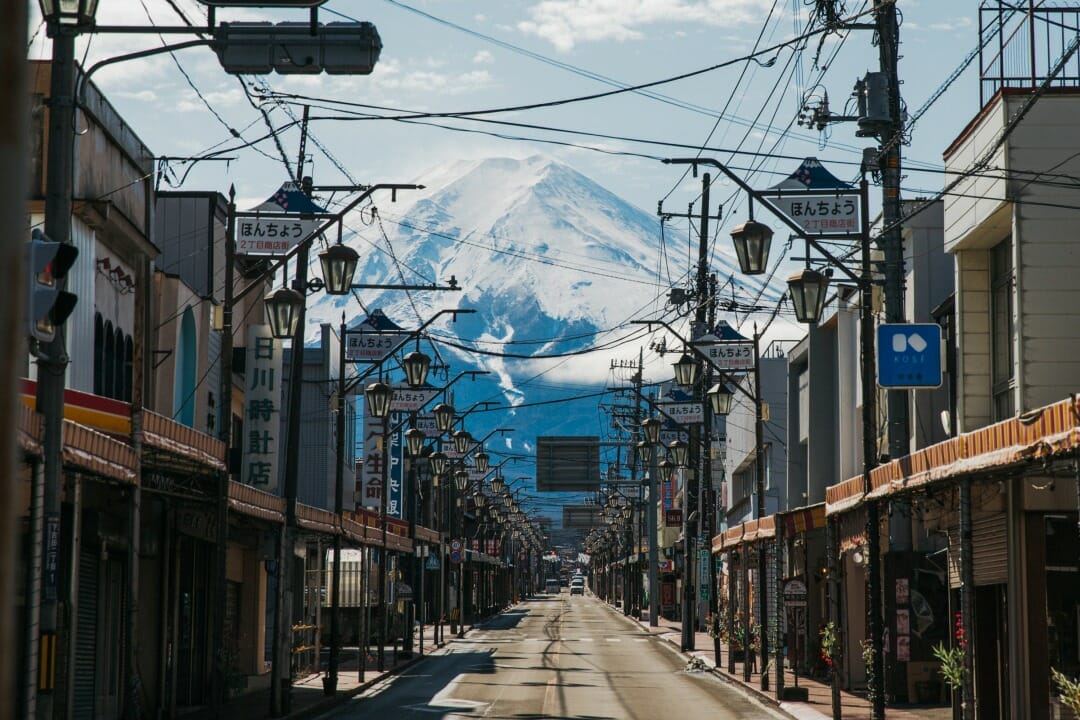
<point>819,704</point>
<point>307,698</point>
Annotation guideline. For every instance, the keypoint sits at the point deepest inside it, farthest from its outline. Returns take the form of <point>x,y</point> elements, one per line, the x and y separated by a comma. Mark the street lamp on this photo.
<point>283,308</point>
<point>720,399</point>
<point>461,480</point>
<point>68,13</point>
<point>438,461</point>
<point>414,441</point>
<point>644,451</point>
<point>416,366</point>
<point>652,427</point>
<point>686,370</point>
<point>752,240</point>
<point>497,484</point>
<point>378,396</point>
<point>462,439</point>
<point>807,288</point>
<point>482,461</point>
<point>679,449</point>
<point>444,417</point>
<point>338,267</point>
<point>480,499</point>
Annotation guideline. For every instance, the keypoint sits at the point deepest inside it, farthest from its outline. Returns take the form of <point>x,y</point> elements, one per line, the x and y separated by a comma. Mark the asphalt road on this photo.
<point>557,657</point>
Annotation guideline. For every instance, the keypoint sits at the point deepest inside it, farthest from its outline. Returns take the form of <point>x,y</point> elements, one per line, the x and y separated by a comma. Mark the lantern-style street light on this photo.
<point>752,240</point>
<point>438,461</point>
<point>720,399</point>
<point>808,289</point>
<point>338,267</point>
<point>378,396</point>
<point>283,308</point>
<point>482,461</point>
<point>74,14</point>
<point>686,370</point>
<point>414,441</point>
<point>498,483</point>
<point>678,450</point>
<point>462,440</point>
<point>461,480</point>
<point>444,417</point>
<point>416,366</point>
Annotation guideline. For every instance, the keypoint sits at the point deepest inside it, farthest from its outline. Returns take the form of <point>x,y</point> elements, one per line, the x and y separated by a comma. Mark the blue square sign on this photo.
<point>909,355</point>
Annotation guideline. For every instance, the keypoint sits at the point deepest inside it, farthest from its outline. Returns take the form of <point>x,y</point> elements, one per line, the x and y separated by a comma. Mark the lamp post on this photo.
<point>652,427</point>
<point>810,287</point>
<point>461,485</point>
<point>64,20</point>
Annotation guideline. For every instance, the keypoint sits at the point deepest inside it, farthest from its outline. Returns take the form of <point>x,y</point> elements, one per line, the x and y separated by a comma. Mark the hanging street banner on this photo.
<point>817,201</point>
<point>262,409</point>
<point>374,339</point>
<point>426,424</point>
<point>407,399</point>
<point>679,407</point>
<point>684,413</point>
<point>726,349</point>
<point>266,230</point>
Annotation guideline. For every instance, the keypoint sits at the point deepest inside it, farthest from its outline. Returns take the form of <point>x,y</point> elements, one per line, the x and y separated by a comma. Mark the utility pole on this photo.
<point>281,672</point>
<point>891,240</point>
<point>14,143</point>
<point>52,356</point>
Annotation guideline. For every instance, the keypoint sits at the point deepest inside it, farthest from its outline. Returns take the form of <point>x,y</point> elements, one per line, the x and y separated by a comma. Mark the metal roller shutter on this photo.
<point>989,541</point>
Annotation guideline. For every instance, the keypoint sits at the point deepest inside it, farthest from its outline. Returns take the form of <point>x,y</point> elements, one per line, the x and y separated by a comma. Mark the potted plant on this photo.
<point>1068,691</point>
<point>952,659</point>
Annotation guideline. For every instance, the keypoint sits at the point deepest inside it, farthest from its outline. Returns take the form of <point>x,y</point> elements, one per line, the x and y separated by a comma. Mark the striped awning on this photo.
<point>803,519</point>
<point>98,454</point>
<point>1047,432</point>
<point>176,445</point>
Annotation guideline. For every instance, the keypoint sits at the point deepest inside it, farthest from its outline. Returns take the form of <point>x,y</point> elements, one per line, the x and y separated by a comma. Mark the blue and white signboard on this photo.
<point>909,355</point>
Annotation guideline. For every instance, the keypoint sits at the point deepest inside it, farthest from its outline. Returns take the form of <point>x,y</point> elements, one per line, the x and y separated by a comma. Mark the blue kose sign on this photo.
<point>909,355</point>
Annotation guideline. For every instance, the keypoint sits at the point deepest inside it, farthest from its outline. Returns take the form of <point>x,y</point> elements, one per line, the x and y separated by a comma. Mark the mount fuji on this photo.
<point>551,262</point>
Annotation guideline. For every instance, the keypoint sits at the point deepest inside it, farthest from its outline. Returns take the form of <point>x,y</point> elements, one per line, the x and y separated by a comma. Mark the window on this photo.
<point>1002,329</point>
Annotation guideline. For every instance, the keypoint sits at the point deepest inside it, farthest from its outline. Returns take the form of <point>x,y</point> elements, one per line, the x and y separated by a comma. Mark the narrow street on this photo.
<point>555,657</point>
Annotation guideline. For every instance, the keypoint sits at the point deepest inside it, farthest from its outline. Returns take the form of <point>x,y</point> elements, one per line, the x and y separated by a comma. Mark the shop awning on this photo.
<point>1040,434</point>
<point>256,503</point>
<point>28,424</point>
<point>802,519</point>
<point>98,454</point>
<point>172,445</point>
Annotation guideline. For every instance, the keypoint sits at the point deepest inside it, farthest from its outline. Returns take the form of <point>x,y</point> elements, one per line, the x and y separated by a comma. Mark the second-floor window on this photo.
<point>1002,329</point>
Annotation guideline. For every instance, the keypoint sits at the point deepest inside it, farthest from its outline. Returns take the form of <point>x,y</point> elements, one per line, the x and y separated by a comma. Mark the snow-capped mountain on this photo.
<point>551,261</point>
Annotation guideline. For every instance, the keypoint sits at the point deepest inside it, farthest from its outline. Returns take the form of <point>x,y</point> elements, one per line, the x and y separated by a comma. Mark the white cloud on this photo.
<point>566,23</point>
<point>483,57</point>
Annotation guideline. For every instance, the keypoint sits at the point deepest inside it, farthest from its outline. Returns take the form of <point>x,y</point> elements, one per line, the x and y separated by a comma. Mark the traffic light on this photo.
<point>47,306</point>
<point>258,48</point>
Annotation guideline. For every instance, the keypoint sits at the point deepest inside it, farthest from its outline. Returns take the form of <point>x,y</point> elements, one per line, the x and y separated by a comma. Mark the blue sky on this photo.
<point>457,55</point>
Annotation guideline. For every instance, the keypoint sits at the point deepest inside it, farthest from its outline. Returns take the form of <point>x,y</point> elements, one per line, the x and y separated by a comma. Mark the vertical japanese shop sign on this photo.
<point>262,409</point>
<point>371,469</point>
<point>395,500</point>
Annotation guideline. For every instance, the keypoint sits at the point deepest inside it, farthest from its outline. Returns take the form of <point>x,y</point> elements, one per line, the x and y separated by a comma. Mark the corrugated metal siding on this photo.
<point>988,538</point>
<point>212,386</point>
<point>80,326</point>
<point>85,676</point>
<point>184,233</point>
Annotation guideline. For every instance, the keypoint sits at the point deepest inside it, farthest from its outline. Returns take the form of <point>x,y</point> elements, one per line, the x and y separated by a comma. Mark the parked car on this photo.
<point>577,586</point>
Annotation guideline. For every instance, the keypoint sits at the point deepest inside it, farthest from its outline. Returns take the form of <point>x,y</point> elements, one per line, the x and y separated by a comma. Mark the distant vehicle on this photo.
<point>577,586</point>
<point>563,582</point>
<point>552,586</point>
